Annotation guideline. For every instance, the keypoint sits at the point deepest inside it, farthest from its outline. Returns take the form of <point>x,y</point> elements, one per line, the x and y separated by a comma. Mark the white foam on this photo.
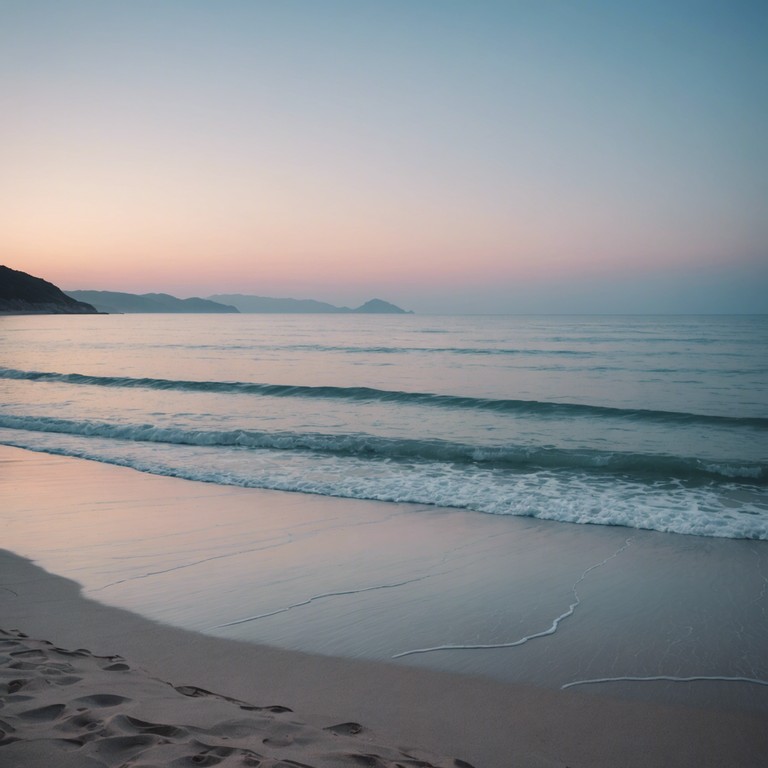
<point>513,643</point>
<point>666,678</point>
<point>708,509</point>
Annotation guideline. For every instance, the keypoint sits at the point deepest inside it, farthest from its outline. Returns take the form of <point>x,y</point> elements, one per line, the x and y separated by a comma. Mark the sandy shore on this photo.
<point>60,708</point>
<point>72,707</point>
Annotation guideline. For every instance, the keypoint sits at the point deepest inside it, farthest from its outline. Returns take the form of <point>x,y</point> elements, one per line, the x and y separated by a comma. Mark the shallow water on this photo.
<point>514,599</point>
<point>645,422</point>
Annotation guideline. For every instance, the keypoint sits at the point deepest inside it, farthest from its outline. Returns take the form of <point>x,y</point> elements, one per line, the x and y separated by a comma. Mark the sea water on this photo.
<point>647,422</point>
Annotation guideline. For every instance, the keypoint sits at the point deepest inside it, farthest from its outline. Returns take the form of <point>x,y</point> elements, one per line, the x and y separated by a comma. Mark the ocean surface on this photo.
<point>647,422</point>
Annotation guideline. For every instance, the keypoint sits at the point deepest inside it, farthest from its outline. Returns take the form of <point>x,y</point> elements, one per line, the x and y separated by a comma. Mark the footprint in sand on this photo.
<point>117,667</point>
<point>117,749</point>
<point>128,723</point>
<point>6,729</point>
<point>23,665</point>
<point>96,731</point>
<point>43,714</point>
<point>345,729</point>
<point>31,653</point>
<point>66,680</point>
<point>278,741</point>
<point>100,700</point>
<point>17,685</point>
<point>83,721</point>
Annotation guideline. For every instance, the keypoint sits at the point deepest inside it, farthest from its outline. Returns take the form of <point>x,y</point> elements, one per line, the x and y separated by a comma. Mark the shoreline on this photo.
<point>482,722</point>
<point>91,522</point>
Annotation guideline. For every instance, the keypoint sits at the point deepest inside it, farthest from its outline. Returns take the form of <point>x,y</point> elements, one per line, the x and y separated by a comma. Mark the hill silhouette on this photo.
<point>263,304</point>
<point>24,293</point>
<point>129,303</point>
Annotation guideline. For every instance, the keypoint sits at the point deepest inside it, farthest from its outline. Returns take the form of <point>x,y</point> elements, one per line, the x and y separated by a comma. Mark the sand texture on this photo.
<point>73,708</point>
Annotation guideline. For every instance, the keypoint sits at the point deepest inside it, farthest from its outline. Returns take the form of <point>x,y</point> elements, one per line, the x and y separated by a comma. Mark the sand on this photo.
<point>60,708</point>
<point>72,707</point>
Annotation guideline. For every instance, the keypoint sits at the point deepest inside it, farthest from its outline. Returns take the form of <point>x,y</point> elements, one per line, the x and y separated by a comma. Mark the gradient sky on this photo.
<point>473,156</point>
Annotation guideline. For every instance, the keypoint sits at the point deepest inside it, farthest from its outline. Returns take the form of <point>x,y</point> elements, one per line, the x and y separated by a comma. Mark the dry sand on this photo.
<point>71,707</point>
<point>69,701</point>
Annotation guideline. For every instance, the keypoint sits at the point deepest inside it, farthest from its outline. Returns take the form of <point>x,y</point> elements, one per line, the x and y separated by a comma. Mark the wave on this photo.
<point>542,409</point>
<point>378,349</point>
<point>703,509</point>
<point>386,350</point>
<point>515,458</point>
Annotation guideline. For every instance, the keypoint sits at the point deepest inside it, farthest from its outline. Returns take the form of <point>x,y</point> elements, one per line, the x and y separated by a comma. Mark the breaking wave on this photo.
<point>523,458</point>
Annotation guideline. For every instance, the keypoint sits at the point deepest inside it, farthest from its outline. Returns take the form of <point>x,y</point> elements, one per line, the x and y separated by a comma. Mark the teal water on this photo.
<point>645,422</point>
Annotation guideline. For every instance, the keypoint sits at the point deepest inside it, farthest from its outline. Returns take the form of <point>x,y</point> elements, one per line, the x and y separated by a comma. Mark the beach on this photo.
<point>80,521</point>
<point>383,385</point>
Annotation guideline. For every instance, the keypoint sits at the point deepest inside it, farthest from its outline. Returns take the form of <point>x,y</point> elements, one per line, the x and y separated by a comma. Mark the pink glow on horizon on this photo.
<point>417,150</point>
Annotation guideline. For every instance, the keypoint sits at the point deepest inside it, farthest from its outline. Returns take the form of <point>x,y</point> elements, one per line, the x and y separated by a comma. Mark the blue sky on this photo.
<point>487,156</point>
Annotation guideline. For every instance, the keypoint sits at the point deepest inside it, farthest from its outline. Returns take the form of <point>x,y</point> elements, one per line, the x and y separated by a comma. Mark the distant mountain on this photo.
<point>263,304</point>
<point>22,293</point>
<point>380,307</point>
<point>115,301</point>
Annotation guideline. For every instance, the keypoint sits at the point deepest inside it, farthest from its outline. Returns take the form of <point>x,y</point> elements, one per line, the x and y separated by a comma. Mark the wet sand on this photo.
<point>377,580</point>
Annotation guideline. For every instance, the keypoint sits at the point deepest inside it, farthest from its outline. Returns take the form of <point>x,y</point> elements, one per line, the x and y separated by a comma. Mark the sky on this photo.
<point>448,156</point>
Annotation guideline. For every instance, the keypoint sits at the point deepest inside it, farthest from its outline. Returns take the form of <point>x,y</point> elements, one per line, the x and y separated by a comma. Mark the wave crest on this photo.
<point>521,458</point>
<point>540,409</point>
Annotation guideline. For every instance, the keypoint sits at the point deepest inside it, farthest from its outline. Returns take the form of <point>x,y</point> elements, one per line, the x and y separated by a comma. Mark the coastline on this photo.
<point>483,722</point>
<point>488,723</point>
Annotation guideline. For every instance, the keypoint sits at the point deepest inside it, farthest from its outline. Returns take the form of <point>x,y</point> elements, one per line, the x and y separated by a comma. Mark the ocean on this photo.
<point>656,423</point>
